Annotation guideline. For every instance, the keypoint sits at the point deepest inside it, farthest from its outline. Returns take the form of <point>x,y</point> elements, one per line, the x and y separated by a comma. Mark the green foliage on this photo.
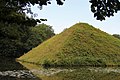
<point>14,11</point>
<point>38,34</point>
<point>82,44</point>
<point>11,39</point>
<point>15,40</point>
<point>46,63</point>
<point>12,15</point>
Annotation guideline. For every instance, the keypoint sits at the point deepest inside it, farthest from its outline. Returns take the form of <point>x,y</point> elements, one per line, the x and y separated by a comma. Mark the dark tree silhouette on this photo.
<point>117,35</point>
<point>104,8</point>
<point>13,11</point>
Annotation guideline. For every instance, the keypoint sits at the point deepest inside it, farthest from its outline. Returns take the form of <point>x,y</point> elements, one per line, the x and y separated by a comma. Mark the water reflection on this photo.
<point>12,70</point>
<point>79,73</point>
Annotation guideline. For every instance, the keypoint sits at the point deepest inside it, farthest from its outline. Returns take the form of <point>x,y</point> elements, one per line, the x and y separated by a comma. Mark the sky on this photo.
<point>72,12</point>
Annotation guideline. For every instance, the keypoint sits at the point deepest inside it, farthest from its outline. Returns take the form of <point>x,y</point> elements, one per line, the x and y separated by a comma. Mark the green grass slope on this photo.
<point>82,44</point>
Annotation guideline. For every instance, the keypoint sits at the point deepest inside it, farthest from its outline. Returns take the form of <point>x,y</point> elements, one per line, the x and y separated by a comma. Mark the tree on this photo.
<point>15,40</point>
<point>12,10</point>
<point>104,8</point>
<point>15,26</point>
<point>38,34</point>
<point>116,35</point>
<point>11,39</point>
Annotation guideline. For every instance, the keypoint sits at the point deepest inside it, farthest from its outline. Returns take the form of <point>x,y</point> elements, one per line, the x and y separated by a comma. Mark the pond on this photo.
<point>12,70</point>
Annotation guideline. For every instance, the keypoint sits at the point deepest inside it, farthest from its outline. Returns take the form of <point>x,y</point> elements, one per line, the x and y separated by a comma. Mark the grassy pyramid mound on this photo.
<point>82,44</point>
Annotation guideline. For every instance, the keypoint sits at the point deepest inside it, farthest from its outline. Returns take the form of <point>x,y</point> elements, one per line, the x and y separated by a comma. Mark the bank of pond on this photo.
<point>12,70</point>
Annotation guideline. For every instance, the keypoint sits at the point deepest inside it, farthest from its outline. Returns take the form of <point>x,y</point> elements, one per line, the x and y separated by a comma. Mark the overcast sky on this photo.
<point>74,11</point>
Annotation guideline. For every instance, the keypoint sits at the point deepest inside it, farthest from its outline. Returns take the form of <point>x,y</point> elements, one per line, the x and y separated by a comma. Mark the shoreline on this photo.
<point>67,65</point>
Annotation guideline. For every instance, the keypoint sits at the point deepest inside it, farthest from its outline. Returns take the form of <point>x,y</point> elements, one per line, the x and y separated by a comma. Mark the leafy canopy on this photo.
<point>15,40</point>
<point>104,8</point>
<point>14,11</point>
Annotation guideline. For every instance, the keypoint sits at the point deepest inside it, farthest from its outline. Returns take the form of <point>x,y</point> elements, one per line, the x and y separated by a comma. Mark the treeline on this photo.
<point>16,40</point>
<point>117,35</point>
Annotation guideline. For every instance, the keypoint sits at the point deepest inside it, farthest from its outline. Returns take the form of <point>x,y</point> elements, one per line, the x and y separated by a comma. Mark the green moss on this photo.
<point>82,44</point>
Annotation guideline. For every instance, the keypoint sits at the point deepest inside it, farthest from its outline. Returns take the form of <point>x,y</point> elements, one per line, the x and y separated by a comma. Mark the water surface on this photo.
<point>75,73</point>
<point>12,70</point>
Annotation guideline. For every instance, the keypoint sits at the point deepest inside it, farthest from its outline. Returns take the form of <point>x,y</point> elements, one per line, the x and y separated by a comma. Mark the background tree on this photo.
<point>38,34</point>
<point>116,35</point>
<point>15,40</point>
